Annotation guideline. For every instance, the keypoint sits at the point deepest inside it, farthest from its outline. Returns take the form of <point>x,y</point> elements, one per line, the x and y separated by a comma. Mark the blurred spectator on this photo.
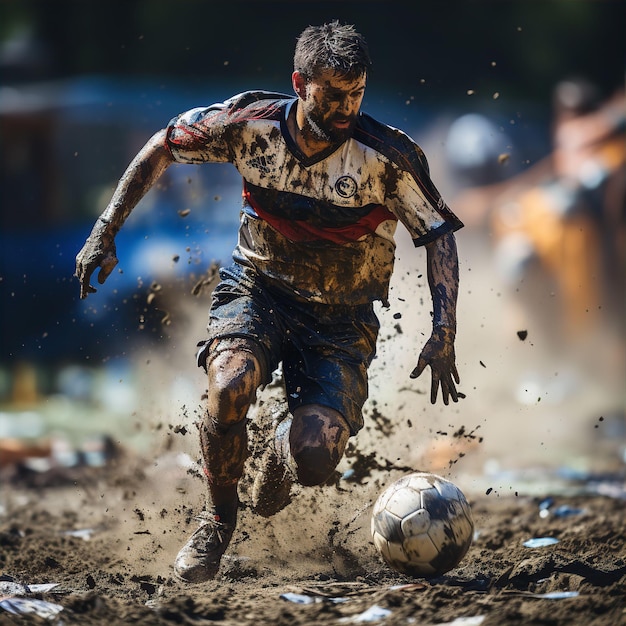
<point>475,148</point>
<point>567,212</point>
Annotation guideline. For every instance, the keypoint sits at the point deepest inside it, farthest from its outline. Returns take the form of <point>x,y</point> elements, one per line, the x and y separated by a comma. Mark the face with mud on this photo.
<point>330,104</point>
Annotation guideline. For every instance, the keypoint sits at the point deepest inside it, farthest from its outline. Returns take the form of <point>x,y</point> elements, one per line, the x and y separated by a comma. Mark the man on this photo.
<point>323,189</point>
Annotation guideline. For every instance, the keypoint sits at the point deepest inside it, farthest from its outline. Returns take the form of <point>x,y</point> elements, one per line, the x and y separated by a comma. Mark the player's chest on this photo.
<point>353,175</point>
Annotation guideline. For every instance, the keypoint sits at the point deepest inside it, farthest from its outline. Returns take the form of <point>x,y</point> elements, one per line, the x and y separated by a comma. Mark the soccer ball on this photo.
<point>422,525</point>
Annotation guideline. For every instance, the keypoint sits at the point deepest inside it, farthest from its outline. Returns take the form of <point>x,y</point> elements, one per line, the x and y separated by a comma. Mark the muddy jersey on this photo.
<point>319,228</point>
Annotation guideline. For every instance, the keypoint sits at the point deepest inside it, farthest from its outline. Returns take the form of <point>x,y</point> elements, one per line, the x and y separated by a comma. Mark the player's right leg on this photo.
<point>234,374</point>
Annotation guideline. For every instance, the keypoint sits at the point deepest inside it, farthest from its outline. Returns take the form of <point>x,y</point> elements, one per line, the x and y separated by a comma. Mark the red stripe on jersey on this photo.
<point>300,230</point>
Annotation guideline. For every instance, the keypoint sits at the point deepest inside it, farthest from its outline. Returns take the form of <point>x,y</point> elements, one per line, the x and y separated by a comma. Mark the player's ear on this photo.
<point>299,84</point>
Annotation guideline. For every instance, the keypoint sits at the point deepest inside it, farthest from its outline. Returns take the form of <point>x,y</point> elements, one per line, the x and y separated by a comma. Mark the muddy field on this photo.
<point>107,538</point>
<point>536,444</point>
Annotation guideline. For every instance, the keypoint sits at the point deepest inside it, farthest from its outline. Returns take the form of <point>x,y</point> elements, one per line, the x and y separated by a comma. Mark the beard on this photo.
<point>323,129</point>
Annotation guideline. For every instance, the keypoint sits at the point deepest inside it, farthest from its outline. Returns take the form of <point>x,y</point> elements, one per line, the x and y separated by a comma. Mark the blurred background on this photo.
<point>520,108</point>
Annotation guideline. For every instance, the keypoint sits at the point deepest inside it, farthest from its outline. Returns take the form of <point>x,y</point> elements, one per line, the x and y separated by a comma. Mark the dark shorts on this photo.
<point>325,350</point>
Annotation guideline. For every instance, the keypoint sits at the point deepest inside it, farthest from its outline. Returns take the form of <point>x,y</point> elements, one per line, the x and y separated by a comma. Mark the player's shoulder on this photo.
<point>241,107</point>
<point>391,142</point>
<point>256,103</point>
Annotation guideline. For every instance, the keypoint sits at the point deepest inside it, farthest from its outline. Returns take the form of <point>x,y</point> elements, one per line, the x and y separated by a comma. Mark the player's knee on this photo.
<point>318,438</point>
<point>233,380</point>
<point>315,464</point>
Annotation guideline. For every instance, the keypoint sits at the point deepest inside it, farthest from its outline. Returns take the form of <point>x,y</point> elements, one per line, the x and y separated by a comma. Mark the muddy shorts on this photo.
<point>325,350</point>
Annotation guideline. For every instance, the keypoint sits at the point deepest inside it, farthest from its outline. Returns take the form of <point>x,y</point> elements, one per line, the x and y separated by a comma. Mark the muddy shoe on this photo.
<point>199,559</point>
<point>271,491</point>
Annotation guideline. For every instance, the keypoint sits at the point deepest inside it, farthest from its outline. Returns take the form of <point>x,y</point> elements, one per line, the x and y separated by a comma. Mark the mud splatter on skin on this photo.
<point>145,169</point>
<point>327,98</point>
<point>224,450</point>
<point>233,377</point>
<point>443,278</point>
<point>233,380</point>
<point>99,249</point>
<point>318,439</point>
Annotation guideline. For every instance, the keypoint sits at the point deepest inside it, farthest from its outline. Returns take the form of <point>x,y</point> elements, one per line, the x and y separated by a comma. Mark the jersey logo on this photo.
<point>345,186</point>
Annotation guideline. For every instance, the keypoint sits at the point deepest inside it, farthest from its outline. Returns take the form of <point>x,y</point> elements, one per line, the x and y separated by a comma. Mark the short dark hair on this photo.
<point>331,46</point>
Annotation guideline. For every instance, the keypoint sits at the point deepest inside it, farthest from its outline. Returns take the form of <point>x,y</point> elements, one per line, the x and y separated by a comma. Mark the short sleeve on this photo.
<point>200,135</point>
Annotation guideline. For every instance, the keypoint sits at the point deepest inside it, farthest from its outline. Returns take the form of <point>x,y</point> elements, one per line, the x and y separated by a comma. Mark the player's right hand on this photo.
<point>98,251</point>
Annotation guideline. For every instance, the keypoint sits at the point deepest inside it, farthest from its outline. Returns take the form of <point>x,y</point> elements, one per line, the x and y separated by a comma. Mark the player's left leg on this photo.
<point>306,448</point>
<point>325,370</point>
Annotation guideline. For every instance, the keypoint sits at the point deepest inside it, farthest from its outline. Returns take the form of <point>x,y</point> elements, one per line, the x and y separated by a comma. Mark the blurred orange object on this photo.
<point>14,451</point>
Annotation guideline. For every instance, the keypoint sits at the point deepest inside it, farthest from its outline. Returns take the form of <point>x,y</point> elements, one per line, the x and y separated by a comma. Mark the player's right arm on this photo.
<point>99,249</point>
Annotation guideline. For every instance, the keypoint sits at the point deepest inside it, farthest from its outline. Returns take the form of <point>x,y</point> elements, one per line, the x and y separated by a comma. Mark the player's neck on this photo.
<point>308,143</point>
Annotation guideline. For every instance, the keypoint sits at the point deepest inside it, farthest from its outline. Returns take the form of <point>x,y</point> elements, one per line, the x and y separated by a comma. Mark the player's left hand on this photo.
<point>439,354</point>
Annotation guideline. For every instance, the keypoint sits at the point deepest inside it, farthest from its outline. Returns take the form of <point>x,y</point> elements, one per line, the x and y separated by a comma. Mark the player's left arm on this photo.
<point>443,280</point>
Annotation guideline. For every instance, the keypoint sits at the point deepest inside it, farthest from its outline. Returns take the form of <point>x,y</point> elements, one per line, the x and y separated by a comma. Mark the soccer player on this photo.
<point>324,187</point>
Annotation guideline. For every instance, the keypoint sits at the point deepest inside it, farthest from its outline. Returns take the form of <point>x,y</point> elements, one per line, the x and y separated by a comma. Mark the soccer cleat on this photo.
<point>199,559</point>
<point>271,490</point>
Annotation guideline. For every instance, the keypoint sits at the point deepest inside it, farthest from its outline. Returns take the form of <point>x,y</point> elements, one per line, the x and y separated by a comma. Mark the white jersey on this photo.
<point>316,228</point>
